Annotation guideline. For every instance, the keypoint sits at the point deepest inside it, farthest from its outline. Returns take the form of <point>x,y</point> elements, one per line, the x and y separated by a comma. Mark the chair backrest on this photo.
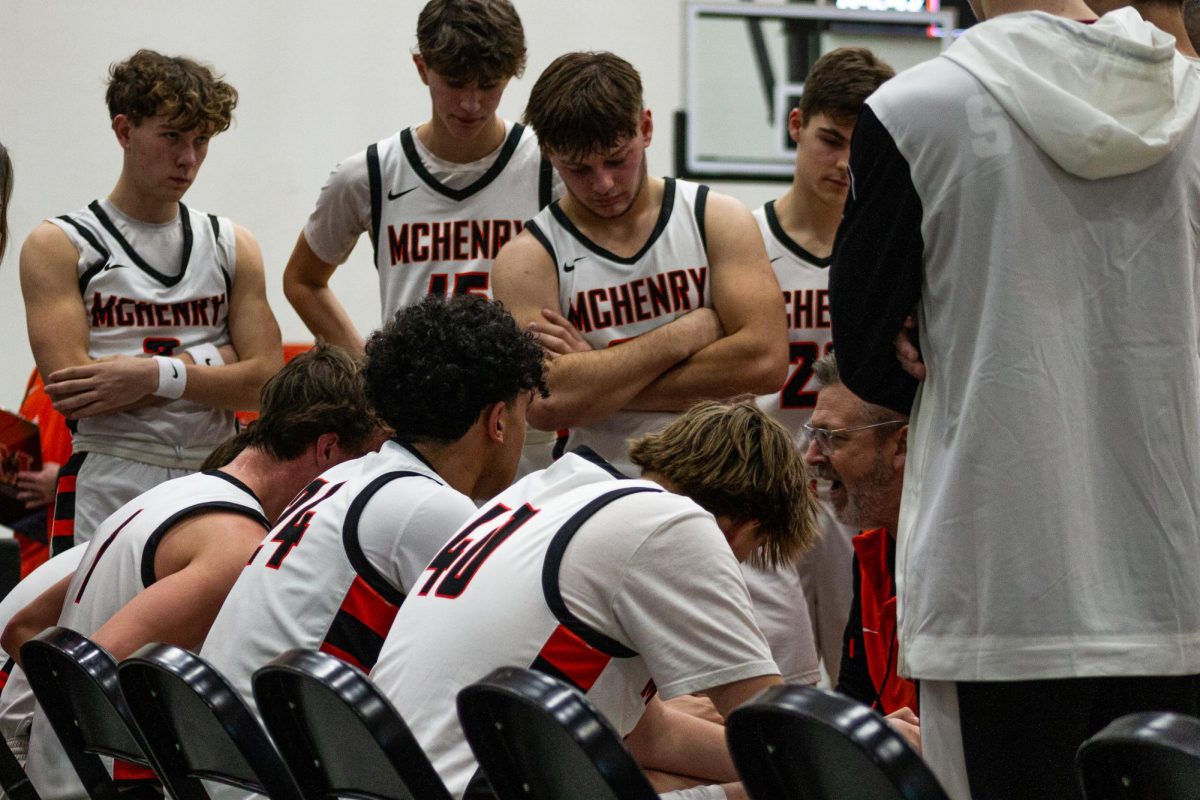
<point>13,779</point>
<point>1150,755</point>
<point>537,738</point>
<point>800,743</point>
<point>75,683</point>
<point>197,727</point>
<point>339,735</point>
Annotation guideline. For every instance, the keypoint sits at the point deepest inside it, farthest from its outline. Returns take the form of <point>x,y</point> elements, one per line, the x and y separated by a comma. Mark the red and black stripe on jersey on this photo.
<point>575,652</point>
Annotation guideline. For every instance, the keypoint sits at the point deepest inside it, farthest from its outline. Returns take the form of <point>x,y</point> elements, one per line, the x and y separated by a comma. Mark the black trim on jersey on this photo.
<point>545,183</point>
<point>354,552</point>
<point>664,216</point>
<point>151,546</point>
<point>788,242</point>
<point>544,240</point>
<point>225,476</point>
<point>415,454</point>
<point>351,635</point>
<point>375,179</point>
<point>550,568</point>
<point>506,152</point>
<point>185,218</point>
<point>588,454</point>
<point>216,226</point>
<point>701,204</point>
<point>94,243</point>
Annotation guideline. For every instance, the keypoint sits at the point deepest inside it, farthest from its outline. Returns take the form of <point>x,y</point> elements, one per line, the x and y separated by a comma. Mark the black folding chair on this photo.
<point>800,743</point>
<point>537,738</point>
<point>13,780</point>
<point>197,727</point>
<point>75,683</point>
<point>339,735</point>
<point>1146,756</point>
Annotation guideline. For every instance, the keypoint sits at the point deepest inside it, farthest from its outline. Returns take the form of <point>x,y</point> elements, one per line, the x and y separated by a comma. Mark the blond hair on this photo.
<point>736,461</point>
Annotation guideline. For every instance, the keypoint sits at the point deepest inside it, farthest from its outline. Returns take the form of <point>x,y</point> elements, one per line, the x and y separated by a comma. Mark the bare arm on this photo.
<point>54,310</point>
<point>306,285</point>
<point>525,280</point>
<point>86,388</point>
<point>752,356</point>
<point>42,613</point>
<point>669,740</point>
<point>196,564</point>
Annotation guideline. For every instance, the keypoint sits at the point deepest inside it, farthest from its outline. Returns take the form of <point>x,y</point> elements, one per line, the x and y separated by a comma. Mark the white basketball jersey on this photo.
<point>493,593</point>
<point>153,290</point>
<point>433,239</point>
<point>118,564</point>
<point>610,299</point>
<point>804,279</point>
<point>314,583</point>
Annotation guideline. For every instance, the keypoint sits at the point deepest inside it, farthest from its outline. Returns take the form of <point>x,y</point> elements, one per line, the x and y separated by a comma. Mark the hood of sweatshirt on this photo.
<point>1101,100</point>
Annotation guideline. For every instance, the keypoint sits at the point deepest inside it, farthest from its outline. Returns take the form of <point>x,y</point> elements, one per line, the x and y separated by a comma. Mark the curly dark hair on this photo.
<point>319,391</point>
<point>189,93</point>
<point>434,368</point>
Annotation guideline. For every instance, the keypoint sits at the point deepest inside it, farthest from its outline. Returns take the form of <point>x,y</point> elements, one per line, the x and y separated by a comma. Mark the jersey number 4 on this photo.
<point>295,521</point>
<point>454,567</point>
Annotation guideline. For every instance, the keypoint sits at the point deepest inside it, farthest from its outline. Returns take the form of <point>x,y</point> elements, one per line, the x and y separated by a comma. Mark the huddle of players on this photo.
<point>379,554</point>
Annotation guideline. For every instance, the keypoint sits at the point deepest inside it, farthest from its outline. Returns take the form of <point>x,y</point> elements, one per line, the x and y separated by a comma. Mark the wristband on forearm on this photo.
<point>172,378</point>
<point>206,355</point>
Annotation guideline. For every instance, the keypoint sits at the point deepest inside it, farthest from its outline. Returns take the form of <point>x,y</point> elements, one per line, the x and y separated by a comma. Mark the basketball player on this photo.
<point>674,274</point>
<point>798,229</point>
<point>135,303</point>
<point>624,588</point>
<point>453,380</point>
<point>438,199</point>
<point>160,567</point>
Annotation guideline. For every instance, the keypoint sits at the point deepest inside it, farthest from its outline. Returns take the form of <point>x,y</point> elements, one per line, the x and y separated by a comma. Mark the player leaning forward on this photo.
<point>652,600</point>
<point>135,303</point>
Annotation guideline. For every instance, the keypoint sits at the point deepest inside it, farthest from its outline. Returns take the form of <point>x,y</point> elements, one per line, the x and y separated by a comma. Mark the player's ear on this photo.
<point>327,450</point>
<point>646,127</point>
<point>495,426</point>
<point>422,69</point>
<point>795,123</point>
<point>121,125</point>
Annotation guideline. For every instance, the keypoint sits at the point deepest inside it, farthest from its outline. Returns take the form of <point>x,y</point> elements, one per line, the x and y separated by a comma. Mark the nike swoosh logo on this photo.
<point>571,266</point>
<point>398,195</point>
<point>776,258</point>
<point>107,267</point>
<point>174,371</point>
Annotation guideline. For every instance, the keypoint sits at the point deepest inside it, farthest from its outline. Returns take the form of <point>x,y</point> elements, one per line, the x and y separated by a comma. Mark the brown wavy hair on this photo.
<point>319,391</point>
<point>472,40</point>
<point>187,92</point>
<point>585,102</point>
<point>734,460</point>
<point>840,82</point>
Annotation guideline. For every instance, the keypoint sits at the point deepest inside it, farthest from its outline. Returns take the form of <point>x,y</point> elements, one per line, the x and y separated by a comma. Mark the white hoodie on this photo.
<point>1120,103</point>
<point>1050,524</point>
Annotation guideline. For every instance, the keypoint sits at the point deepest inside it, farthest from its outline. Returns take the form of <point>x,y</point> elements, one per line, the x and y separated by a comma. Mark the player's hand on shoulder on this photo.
<point>557,335</point>
<point>906,723</point>
<point>102,387</point>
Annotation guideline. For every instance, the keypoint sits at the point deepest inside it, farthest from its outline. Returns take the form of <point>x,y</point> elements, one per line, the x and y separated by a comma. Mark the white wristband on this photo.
<point>205,355</point>
<point>172,377</point>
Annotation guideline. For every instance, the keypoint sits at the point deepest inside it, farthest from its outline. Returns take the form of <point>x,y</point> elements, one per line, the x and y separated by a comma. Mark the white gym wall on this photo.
<point>318,81</point>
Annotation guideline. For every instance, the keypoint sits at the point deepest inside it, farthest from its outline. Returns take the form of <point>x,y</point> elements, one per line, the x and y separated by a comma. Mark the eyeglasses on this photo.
<point>826,437</point>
